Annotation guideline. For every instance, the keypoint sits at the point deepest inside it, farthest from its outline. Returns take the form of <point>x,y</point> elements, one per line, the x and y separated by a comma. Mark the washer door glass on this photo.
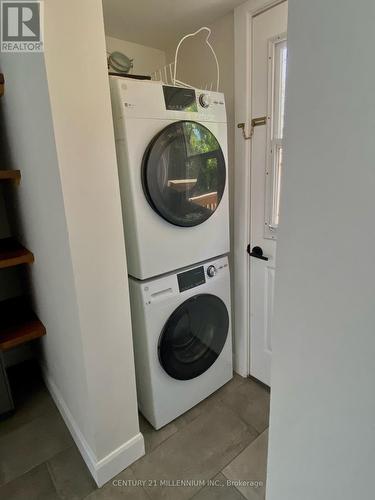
<point>184,174</point>
<point>193,337</point>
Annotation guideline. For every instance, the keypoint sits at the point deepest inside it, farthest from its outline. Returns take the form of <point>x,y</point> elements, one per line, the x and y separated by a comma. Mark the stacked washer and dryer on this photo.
<point>172,157</point>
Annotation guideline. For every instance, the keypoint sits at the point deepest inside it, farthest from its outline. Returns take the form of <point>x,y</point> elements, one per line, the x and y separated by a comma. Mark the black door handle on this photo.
<point>256,252</point>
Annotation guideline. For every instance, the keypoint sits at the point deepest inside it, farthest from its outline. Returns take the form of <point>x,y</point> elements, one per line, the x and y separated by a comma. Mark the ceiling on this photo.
<point>160,23</point>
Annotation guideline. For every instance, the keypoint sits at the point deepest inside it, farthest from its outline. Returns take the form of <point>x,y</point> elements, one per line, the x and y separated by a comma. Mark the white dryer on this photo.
<point>172,158</point>
<point>182,338</point>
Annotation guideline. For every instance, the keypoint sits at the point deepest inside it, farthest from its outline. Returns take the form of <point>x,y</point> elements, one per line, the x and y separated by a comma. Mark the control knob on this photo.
<point>204,100</point>
<point>211,271</point>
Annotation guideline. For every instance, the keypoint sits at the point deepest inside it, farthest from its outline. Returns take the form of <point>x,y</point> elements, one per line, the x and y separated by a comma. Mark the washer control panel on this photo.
<point>191,279</point>
<point>201,276</point>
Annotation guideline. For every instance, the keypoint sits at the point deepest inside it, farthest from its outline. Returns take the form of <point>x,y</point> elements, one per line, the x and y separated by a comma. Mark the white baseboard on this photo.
<point>108,467</point>
<point>240,370</point>
<point>119,459</point>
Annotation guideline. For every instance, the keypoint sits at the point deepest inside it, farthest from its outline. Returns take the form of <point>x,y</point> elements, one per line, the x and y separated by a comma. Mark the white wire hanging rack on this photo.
<point>168,74</point>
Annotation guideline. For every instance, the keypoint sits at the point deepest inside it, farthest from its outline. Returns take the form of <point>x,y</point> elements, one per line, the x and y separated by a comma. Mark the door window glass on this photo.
<point>277,83</point>
<point>194,337</point>
<point>184,173</point>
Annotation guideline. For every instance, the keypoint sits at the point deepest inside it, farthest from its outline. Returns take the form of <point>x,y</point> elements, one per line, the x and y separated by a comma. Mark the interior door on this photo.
<point>268,96</point>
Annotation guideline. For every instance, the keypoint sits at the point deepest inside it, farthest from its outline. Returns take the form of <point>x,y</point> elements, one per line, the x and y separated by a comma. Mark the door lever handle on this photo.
<point>256,252</point>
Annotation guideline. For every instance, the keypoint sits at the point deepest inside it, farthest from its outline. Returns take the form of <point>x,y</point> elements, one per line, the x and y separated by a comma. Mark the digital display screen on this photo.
<point>191,279</point>
<point>179,99</point>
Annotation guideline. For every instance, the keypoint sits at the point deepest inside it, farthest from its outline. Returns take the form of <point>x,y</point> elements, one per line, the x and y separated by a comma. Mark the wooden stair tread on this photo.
<point>12,253</point>
<point>18,323</point>
<point>10,175</point>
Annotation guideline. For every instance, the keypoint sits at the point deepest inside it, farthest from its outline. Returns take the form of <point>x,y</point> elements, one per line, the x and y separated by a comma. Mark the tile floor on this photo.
<point>222,439</point>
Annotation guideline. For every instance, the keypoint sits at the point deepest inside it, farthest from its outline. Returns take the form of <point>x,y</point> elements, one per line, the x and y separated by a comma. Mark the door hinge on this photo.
<point>255,122</point>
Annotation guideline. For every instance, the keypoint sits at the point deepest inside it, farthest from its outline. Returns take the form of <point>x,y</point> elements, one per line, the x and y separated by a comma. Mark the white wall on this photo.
<point>145,59</point>
<point>59,128</point>
<point>42,223</point>
<point>322,439</point>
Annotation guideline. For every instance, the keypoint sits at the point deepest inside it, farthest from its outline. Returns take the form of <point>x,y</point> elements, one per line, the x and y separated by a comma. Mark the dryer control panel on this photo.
<point>180,99</point>
<point>149,99</point>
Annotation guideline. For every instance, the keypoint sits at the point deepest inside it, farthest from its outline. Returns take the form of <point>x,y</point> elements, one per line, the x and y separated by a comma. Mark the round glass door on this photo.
<point>184,174</point>
<point>193,337</point>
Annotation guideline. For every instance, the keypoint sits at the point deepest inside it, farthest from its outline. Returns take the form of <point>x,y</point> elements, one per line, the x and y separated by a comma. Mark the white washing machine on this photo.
<point>182,338</point>
<point>172,158</point>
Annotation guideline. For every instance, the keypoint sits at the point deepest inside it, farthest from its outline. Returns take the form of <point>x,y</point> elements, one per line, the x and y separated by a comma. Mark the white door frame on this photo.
<point>243,16</point>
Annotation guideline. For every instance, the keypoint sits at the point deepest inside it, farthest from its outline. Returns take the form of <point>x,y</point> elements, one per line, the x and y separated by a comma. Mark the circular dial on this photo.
<point>211,271</point>
<point>204,100</point>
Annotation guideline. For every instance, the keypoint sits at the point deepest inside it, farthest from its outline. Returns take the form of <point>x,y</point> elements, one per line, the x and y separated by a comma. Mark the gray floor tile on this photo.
<point>207,404</point>
<point>187,417</point>
<point>231,386</point>
<point>250,400</point>
<point>35,485</point>
<point>30,396</point>
<point>250,465</point>
<point>197,452</point>
<point>219,491</point>
<point>152,437</point>
<point>195,446</point>
<point>32,444</point>
<point>123,486</point>
<point>39,403</point>
<point>70,475</point>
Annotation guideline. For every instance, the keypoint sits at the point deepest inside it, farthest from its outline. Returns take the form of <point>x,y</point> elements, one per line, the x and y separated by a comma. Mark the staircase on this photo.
<point>18,322</point>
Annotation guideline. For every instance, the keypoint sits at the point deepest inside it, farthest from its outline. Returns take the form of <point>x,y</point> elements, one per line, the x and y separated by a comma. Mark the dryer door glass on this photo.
<point>184,173</point>
<point>193,337</point>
